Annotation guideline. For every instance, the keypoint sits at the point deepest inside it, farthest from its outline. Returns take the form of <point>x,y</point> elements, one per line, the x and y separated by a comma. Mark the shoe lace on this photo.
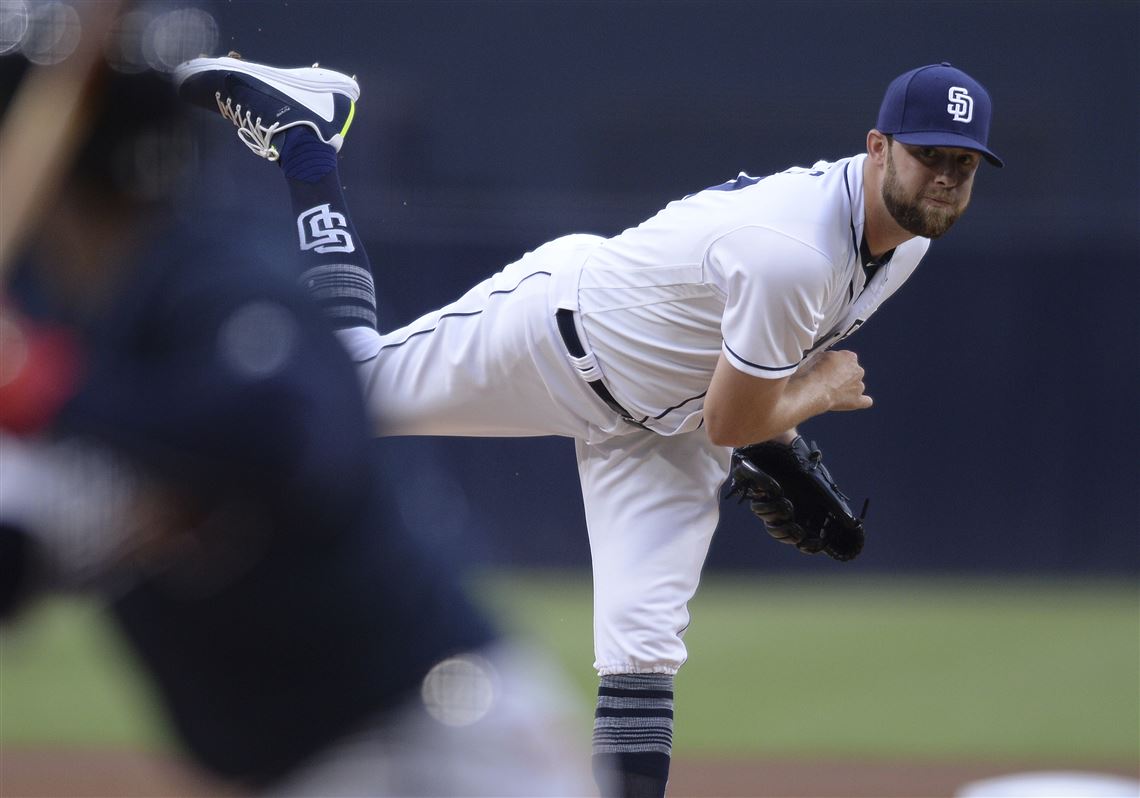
<point>251,132</point>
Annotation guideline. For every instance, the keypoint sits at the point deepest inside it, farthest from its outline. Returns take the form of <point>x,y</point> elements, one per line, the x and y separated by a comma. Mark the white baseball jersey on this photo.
<point>766,271</point>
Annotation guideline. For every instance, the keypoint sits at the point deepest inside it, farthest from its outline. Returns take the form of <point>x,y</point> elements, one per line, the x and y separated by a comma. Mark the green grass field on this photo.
<point>935,668</point>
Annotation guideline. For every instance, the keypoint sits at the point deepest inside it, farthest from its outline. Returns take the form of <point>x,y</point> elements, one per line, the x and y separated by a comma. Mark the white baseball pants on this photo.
<point>494,364</point>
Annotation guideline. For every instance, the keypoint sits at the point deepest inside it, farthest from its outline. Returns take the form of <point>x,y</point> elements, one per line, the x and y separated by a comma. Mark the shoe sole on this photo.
<point>305,80</point>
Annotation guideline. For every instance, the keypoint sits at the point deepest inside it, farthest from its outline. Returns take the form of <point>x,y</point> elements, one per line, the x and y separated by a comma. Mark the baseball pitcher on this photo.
<point>711,325</point>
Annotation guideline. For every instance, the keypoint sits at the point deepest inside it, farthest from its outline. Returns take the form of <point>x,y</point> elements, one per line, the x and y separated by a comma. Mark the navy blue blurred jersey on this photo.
<point>296,605</point>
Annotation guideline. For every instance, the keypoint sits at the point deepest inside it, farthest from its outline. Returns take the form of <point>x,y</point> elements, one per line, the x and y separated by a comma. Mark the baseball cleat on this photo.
<point>262,100</point>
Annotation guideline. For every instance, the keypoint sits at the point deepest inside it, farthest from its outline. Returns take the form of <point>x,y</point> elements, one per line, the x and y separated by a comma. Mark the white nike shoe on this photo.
<point>262,100</point>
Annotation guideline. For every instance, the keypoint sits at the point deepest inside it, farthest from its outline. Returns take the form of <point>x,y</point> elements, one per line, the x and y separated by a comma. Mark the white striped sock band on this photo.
<point>634,714</point>
<point>344,292</point>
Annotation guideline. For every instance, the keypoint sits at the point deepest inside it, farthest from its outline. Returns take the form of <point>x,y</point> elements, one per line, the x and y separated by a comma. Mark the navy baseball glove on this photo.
<point>792,492</point>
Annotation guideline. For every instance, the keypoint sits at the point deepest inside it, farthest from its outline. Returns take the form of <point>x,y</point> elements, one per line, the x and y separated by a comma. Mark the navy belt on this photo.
<point>565,319</point>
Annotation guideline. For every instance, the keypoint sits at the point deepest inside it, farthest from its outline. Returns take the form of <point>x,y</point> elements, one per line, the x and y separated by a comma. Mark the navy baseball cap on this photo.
<point>938,106</point>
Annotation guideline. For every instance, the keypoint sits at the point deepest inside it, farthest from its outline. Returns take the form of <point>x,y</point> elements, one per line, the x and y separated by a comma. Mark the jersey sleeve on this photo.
<point>776,290</point>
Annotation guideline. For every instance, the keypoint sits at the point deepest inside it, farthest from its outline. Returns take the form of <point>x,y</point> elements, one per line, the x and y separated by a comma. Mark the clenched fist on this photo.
<point>840,375</point>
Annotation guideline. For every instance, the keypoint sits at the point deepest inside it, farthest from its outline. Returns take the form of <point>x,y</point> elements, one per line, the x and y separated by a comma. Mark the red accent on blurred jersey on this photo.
<point>39,371</point>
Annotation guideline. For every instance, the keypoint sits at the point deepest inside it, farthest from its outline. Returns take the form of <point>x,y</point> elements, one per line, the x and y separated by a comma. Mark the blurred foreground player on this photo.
<point>183,434</point>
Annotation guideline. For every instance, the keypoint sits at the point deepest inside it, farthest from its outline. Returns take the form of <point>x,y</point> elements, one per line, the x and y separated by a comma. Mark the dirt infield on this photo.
<point>775,778</point>
<point>119,774</point>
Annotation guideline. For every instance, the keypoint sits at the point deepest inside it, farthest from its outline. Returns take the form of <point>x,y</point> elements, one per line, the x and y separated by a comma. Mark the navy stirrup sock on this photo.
<point>633,735</point>
<point>304,157</point>
<point>335,267</point>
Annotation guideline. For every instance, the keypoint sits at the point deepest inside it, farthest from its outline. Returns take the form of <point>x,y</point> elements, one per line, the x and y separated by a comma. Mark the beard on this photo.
<point>911,213</point>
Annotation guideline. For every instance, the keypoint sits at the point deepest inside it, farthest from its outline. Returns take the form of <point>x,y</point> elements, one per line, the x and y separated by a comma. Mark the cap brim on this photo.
<point>940,138</point>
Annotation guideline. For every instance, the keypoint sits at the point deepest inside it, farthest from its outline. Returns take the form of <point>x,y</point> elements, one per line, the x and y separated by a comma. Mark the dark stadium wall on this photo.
<point>1005,374</point>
